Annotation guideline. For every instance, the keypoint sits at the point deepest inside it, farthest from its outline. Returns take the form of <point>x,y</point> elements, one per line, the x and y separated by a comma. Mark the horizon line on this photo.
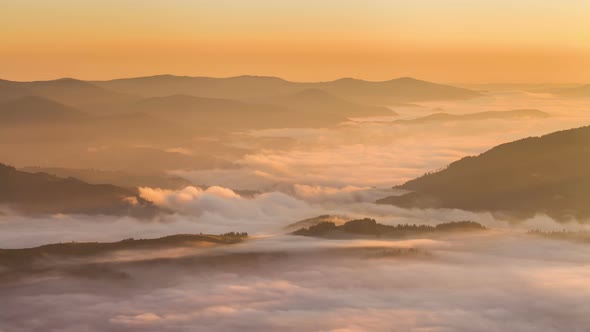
<point>287,80</point>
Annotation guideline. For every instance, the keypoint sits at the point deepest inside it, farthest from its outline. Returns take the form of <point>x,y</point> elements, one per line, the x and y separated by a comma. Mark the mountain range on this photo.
<point>247,87</point>
<point>118,92</point>
<point>152,124</point>
<point>68,91</point>
<point>174,105</point>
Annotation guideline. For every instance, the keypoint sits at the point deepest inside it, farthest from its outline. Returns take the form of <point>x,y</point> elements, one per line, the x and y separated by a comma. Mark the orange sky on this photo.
<point>441,40</point>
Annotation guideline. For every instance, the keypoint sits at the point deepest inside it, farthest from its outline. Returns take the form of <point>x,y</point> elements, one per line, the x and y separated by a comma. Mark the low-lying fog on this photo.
<point>503,280</point>
<point>494,282</point>
<point>382,152</point>
<point>341,170</point>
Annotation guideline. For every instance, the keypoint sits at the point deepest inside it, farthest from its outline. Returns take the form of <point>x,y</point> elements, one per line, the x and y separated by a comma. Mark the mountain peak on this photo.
<point>256,77</point>
<point>407,79</point>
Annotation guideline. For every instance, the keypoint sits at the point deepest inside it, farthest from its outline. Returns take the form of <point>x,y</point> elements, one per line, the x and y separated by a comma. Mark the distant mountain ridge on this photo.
<point>68,91</point>
<point>275,100</point>
<point>548,174</point>
<point>403,89</point>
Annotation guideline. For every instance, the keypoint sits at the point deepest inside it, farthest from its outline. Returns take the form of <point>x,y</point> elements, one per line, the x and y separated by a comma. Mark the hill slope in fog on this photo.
<point>548,174</point>
<point>41,193</point>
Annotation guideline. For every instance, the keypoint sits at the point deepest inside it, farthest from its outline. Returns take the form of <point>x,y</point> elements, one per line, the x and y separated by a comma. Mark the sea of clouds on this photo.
<point>505,280</point>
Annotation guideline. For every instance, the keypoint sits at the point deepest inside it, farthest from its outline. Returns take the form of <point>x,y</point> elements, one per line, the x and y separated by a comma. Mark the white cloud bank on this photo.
<point>485,284</point>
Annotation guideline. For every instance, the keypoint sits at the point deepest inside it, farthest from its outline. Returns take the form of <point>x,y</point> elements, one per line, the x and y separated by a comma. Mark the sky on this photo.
<point>465,41</point>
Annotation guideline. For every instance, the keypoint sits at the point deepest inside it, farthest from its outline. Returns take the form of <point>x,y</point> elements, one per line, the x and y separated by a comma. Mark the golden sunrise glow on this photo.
<point>294,165</point>
<point>448,40</point>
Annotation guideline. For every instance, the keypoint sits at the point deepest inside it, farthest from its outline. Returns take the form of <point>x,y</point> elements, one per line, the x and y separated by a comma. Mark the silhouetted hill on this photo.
<point>36,110</point>
<point>248,87</point>
<point>43,193</point>
<point>370,227</point>
<point>491,115</point>
<point>548,174</point>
